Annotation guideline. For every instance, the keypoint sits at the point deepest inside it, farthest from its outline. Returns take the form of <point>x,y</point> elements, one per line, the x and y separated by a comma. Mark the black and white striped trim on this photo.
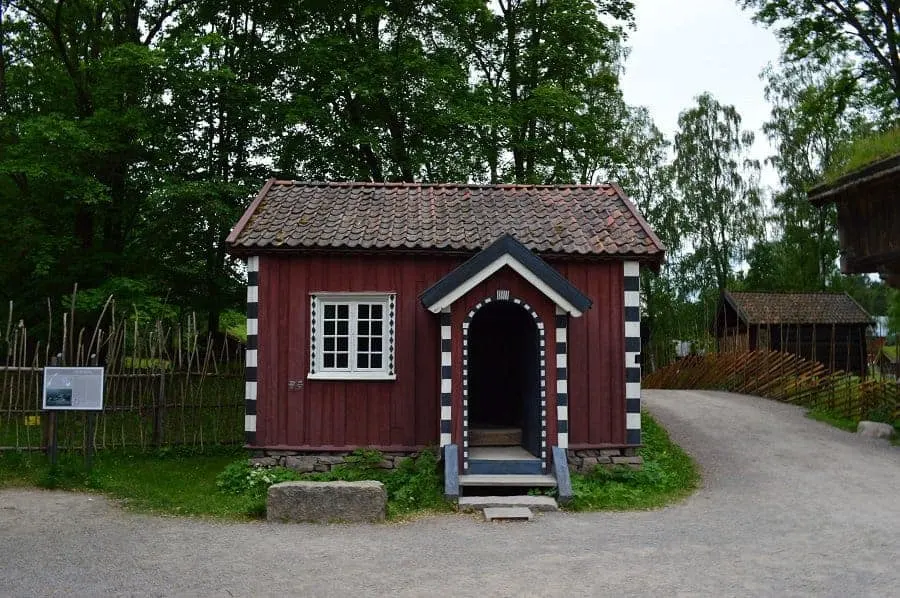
<point>250,375</point>
<point>542,348</point>
<point>562,379</point>
<point>446,379</point>
<point>632,283</point>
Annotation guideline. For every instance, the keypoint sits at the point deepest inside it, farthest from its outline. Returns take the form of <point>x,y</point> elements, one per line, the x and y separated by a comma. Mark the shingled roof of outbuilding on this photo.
<point>588,220</point>
<point>797,308</point>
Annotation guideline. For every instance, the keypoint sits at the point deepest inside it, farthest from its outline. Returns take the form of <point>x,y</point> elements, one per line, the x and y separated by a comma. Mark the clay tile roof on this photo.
<point>565,219</point>
<point>798,308</point>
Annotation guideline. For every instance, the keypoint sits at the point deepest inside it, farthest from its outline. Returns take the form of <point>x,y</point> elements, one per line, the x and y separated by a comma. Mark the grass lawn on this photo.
<point>216,483</point>
<point>668,475</point>
<point>165,482</point>
<point>220,483</point>
<point>832,419</point>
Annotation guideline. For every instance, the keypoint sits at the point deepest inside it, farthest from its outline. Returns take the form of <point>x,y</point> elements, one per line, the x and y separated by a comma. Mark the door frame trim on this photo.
<point>503,295</point>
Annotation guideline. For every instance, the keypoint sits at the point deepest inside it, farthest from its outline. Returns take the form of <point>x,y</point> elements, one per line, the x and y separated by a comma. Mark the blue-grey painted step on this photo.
<point>514,481</point>
<point>504,467</point>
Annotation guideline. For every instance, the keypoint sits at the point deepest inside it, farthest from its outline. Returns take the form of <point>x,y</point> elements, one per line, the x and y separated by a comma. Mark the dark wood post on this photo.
<point>52,422</point>
<point>159,406</point>
<point>89,439</point>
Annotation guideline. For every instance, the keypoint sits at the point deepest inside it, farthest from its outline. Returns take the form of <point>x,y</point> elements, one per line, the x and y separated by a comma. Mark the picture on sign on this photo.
<point>59,397</point>
<point>73,388</point>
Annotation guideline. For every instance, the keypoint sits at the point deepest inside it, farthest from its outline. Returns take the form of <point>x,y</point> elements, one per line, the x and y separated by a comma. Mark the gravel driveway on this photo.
<point>789,507</point>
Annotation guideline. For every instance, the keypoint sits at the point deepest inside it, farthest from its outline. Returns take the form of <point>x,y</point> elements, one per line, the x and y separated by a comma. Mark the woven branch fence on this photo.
<point>783,377</point>
<point>162,385</point>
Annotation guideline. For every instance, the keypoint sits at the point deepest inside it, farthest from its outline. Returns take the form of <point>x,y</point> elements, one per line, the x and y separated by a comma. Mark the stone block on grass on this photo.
<point>323,502</point>
<point>875,430</point>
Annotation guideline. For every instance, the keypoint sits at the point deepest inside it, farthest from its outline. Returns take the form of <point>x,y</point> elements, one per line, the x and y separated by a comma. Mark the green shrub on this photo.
<point>242,478</point>
<point>416,484</point>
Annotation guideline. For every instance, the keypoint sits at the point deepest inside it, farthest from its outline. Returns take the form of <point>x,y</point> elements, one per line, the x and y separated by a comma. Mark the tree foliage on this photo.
<point>814,31</point>
<point>718,182</point>
<point>132,134</point>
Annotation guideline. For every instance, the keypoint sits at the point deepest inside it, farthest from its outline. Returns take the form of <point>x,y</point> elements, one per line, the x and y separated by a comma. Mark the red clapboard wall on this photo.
<point>300,414</point>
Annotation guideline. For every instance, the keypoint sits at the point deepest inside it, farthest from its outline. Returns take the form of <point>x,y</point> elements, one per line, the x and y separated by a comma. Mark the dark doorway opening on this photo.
<point>504,377</point>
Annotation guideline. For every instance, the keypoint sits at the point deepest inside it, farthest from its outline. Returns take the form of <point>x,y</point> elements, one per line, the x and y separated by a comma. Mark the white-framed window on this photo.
<point>352,336</point>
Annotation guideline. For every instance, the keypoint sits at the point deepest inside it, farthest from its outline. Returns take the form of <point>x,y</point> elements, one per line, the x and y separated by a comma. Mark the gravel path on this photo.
<point>789,507</point>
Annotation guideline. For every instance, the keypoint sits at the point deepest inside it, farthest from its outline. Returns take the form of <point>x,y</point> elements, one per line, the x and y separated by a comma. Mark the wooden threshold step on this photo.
<point>495,436</point>
<point>507,480</point>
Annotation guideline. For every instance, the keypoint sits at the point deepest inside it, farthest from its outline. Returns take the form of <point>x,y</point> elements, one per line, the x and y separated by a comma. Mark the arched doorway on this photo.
<point>504,402</point>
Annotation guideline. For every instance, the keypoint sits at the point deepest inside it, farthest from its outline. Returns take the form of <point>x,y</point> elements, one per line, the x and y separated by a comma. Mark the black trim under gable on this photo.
<point>506,244</point>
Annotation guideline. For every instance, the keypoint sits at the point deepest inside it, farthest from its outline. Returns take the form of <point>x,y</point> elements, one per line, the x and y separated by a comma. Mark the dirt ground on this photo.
<point>788,507</point>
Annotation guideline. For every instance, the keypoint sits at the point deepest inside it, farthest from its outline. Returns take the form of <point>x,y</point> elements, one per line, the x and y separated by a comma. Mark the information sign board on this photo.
<point>73,388</point>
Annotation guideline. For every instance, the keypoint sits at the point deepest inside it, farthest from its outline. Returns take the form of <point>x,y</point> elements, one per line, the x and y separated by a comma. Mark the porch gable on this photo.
<point>506,251</point>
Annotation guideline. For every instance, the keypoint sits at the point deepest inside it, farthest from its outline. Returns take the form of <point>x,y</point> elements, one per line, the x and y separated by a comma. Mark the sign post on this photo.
<point>73,389</point>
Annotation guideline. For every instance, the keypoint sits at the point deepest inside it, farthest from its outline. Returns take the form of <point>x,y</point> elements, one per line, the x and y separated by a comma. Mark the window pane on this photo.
<point>362,360</point>
<point>329,311</point>
<point>343,311</point>
<point>376,360</point>
<point>329,327</point>
<point>362,345</point>
<point>341,360</point>
<point>376,328</point>
<point>362,328</point>
<point>376,311</point>
<point>343,327</point>
<point>343,343</point>
<point>363,312</point>
<point>328,344</point>
<point>328,360</point>
<point>376,344</point>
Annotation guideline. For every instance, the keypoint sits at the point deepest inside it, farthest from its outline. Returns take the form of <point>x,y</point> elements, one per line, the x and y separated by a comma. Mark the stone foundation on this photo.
<point>308,462</point>
<point>585,460</point>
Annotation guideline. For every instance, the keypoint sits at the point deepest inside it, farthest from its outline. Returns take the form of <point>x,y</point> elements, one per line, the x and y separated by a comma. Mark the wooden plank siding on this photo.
<point>868,221</point>
<point>597,356</point>
<point>325,414</point>
<point>404,414</point>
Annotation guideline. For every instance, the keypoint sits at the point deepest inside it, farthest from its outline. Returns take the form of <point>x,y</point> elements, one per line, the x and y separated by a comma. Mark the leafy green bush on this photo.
<point>415,485</point>
<point>242,478</point>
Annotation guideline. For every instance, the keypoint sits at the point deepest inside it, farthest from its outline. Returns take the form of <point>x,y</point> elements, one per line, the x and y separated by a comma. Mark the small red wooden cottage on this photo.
<point>498,322</point>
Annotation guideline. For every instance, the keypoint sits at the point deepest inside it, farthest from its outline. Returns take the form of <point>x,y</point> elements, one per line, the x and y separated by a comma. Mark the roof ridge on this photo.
<point>835,293</point>
<point>298,183</point>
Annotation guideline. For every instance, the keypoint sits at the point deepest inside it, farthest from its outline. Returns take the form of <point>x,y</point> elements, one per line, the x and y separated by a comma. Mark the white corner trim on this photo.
<point>632,269</point>
<point>504,260</point>
<point>632,421</point>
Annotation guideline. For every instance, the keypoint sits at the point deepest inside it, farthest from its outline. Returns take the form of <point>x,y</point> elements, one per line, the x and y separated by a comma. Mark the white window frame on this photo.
<point>317,370</point>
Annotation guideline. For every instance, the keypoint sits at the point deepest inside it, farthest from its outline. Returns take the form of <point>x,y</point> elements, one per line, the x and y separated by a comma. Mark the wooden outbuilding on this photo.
<point>826,327</point>
<point>886,362</point>
<point>868,212</point>
<point>500,323</point>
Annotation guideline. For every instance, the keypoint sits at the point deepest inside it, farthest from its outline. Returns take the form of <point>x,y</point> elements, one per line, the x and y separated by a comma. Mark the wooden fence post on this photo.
<point>52,422</point>
<point>89,438</point>
<point>158,410</point>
